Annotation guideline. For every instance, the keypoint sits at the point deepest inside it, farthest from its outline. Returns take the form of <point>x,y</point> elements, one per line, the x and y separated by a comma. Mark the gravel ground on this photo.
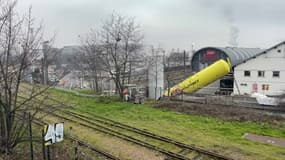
<point>224,112</point>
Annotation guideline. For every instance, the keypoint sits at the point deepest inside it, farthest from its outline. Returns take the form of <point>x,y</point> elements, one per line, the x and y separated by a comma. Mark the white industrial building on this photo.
<point>263,73</point>
<point>204,57</point>
<point>155,77</point>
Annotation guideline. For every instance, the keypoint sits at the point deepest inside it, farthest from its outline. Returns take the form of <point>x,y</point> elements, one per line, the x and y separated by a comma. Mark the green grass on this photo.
<point>86,91</point>
<point>211,133</point>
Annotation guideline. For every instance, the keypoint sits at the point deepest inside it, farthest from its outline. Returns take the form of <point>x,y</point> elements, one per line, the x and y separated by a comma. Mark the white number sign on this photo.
<point>53,133</point>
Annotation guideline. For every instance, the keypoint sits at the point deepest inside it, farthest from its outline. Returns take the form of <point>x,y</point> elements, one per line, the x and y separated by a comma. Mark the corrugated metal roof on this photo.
<point>239,55</point>
<point>266,50</point>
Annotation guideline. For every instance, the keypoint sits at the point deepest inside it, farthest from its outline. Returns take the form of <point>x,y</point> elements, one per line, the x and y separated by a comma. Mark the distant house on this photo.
<point>263,73</point>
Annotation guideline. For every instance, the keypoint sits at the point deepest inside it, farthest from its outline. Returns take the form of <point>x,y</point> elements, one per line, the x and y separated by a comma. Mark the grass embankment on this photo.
<point>86,91</point>
<point>110,144</point>
<point>224,137</point>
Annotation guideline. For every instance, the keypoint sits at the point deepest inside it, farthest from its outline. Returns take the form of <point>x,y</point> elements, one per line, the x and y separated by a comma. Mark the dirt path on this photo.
<point>265,139</point>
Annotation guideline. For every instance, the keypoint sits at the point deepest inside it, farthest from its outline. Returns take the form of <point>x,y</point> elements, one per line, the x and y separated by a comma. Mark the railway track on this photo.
<point>82,143</point>
<point>117,134</point>
<point>110,122</point>
<point>108,126</point>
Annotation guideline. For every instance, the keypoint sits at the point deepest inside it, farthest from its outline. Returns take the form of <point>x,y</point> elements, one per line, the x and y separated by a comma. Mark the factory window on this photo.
<point>279,50</point>
<point>276,73</point>
<point>261,73</point>
<point>247,73</point>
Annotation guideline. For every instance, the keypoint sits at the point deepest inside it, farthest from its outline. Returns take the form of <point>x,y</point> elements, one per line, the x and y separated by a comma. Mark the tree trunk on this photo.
<point>130,72</point>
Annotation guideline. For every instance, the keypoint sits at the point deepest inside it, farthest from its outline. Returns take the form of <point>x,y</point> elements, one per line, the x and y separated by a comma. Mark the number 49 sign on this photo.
<point>53,133</point>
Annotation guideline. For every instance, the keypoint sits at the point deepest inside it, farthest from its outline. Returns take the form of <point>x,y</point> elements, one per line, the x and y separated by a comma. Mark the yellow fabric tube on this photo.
<point>201,79</point>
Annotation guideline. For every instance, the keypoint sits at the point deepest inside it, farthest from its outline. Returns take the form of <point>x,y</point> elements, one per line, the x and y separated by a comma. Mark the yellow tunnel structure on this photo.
<point>201,79</point>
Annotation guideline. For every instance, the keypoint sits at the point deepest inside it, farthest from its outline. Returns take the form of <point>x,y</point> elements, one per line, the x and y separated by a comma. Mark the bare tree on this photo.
<point>19,40</point>
<point>121,38</point>
<point>89,60</point>
<point>116,47</point>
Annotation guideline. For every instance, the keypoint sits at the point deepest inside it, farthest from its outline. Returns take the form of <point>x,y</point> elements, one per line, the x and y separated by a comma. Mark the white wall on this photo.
<point>156,77</point>
<point>268,62</point>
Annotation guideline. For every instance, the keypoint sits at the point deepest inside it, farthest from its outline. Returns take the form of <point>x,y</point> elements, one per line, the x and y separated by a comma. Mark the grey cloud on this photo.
<point>171,23</point>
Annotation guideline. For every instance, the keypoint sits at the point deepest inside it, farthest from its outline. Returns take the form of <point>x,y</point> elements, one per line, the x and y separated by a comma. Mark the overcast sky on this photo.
<point>169,23</point>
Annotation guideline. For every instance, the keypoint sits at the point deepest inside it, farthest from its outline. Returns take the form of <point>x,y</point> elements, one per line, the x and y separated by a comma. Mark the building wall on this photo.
<point>272,60</point>
<point>156,77</point>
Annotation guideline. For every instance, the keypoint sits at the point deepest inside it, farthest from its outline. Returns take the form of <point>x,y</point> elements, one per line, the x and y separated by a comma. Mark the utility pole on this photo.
<point>43,145</point>
<point>184,63</point>
<point>31,137</point>
<point>76,152</point>
<point>44,63</point>
<point>156,75</point>
<point>193,49</point>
